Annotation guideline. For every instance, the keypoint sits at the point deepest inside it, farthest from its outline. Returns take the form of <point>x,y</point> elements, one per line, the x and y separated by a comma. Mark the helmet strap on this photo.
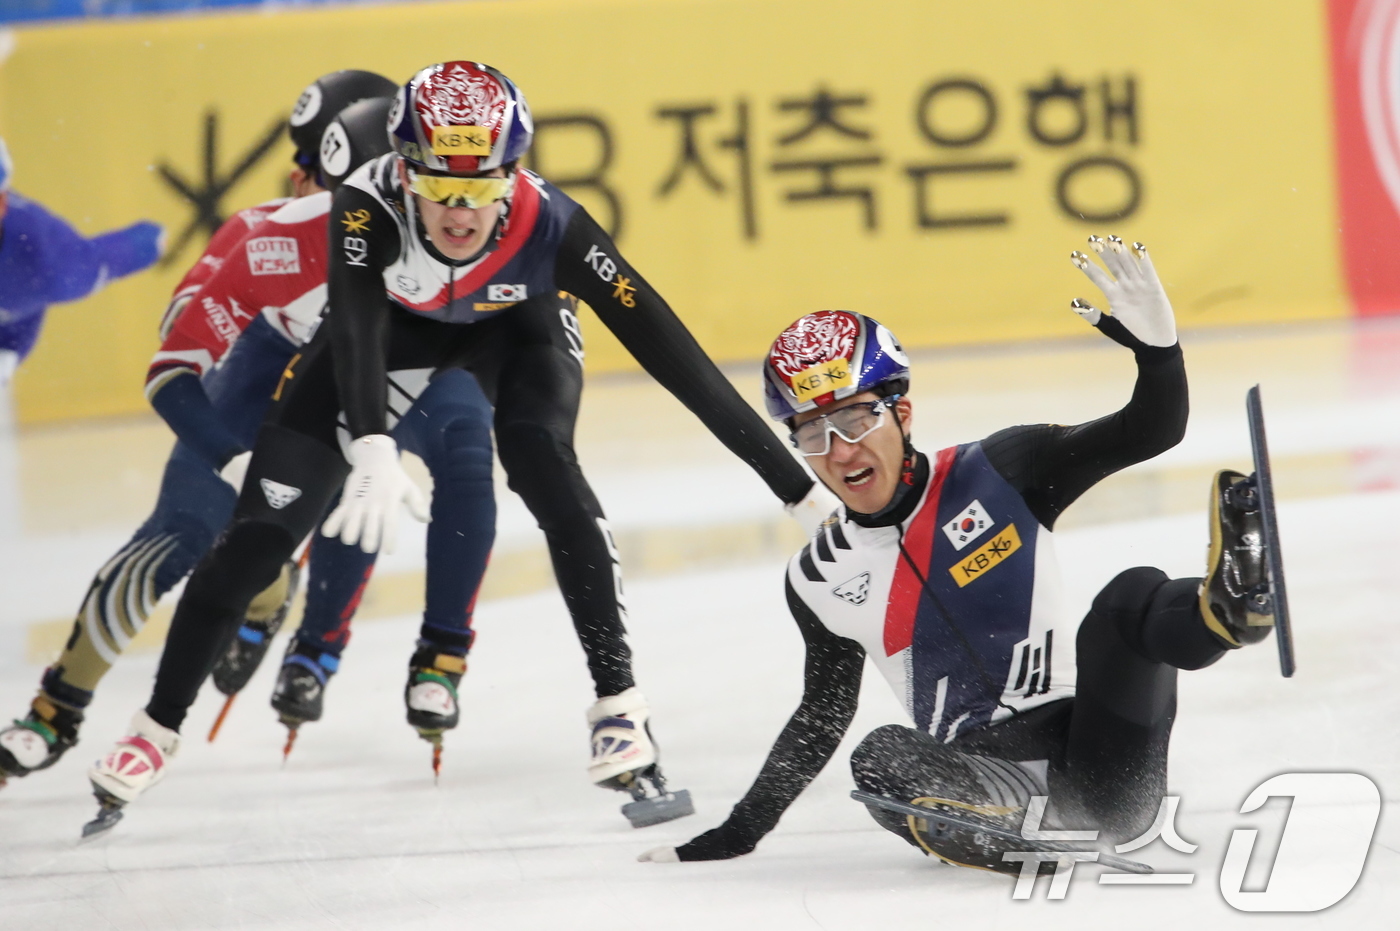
<point>910,455</point>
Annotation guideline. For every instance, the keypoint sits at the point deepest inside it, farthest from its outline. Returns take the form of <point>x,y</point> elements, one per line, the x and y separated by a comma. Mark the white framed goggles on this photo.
<point>852,423</point>
<point>454,191</point>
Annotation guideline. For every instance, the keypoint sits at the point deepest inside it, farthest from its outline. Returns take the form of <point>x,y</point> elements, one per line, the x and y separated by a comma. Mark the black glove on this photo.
<point>722,843</point>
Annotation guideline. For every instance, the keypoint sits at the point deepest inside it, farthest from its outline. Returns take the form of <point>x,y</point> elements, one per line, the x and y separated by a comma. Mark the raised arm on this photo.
<point>830,693</point>
<point>1052,465</point>
<point>591,268</point>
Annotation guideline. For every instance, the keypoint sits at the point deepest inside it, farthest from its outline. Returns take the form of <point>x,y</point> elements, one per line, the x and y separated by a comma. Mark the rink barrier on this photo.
<point>1132,495</point>
<point>930,164</point>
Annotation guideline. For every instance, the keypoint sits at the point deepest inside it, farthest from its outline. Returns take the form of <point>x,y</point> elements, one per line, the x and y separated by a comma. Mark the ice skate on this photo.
<point>977,836</point>
<point>300,691</point>
<point>299,694</point>
<point>624,758</point>
<point>430,696</point>
<point>39,739</point>
<point>1235,596</point>
<point>264,618</point>
<point>136,763</point>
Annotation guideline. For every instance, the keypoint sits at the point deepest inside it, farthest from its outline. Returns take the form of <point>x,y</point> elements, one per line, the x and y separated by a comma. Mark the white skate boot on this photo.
<point>624,758</point>
<point>136,763</point>
<point>621,744</point>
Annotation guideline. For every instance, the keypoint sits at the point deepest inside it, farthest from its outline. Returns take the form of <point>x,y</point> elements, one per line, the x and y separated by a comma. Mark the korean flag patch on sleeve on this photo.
<point>968,526</point>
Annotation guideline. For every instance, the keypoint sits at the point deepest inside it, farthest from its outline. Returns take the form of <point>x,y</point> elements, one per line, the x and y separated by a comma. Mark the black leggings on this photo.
<point>529,363</point>
<point>1106,748</point>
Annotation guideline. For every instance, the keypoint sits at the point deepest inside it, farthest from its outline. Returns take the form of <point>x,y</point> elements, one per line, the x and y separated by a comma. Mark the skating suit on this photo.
<point>959,606</point>
<point>275,274</point>
<point>225,238</point>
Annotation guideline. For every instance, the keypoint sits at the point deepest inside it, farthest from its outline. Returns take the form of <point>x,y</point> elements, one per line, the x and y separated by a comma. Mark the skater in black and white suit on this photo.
<point>941,569</point>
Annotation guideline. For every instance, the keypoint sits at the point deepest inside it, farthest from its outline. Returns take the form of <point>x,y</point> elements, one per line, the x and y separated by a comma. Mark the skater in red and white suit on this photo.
<point>942,570</point>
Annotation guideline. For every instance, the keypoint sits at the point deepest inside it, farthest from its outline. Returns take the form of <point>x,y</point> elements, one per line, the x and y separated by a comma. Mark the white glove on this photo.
<point>1135,294</point>
<point>814,508</point>
<point>236,469</point>
<point>659,855</point>
<point>367,513</point>
<point>9,361</point>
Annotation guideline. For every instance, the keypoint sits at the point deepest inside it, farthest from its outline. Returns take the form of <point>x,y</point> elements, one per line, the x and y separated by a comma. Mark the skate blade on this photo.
<point>219,721</point>
<point>1015,840</point>
<point>106,819</point>
<point>291,740</point>
<point>649,811</point>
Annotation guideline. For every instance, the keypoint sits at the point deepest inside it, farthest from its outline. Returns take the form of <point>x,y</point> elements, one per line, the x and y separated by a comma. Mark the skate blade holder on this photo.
<point>659,809</point>
<point>1262,484</point>
<point>108,815</point>
<point>646,810</point>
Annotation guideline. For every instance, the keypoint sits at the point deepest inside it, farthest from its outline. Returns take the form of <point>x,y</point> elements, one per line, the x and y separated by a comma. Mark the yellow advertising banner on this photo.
<point>931,164</point>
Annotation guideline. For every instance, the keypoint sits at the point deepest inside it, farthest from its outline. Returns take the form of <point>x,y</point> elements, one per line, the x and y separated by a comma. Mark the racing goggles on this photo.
<point>852,423</point>
<point>453,191</point>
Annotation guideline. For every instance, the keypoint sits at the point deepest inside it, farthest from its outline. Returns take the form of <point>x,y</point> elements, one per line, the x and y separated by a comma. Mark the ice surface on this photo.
<point>353,834</point>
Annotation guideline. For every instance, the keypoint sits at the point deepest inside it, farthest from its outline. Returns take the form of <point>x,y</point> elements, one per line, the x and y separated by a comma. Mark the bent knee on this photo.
<point>246,559</point>
<point>1129,591</point>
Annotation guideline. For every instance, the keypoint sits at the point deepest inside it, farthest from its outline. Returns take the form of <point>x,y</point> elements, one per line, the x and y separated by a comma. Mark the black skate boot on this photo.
<point>1235,599</point>
<point>431,692</point>
<point>38,741</point>
<point>301,688</point>
<point>265,616</point>
<point>301,684</point>
<point>431,695</point>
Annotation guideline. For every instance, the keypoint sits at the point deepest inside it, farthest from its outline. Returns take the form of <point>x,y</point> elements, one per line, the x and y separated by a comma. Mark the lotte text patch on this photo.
<point>986,557</point>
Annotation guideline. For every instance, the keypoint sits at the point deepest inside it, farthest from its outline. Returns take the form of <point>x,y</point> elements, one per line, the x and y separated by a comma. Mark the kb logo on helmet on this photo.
<point>821,379</point>
<point>461,140</point>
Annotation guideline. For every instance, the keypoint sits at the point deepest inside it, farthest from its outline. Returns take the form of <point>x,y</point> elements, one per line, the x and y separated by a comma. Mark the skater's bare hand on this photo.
<point>1135,295</point>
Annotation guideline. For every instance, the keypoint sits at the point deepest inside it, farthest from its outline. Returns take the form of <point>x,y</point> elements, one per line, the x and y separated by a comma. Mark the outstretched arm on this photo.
<point>829,696</point>
<point>591,268</point>
<point>83,266</point>
<point>1052,465</point>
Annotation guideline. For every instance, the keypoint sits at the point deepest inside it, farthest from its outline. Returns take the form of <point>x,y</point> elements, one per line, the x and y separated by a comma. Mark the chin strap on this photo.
<point>910,456</point>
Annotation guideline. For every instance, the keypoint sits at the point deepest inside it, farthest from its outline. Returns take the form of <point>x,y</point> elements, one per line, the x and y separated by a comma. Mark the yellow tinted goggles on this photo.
<point>461,192</point>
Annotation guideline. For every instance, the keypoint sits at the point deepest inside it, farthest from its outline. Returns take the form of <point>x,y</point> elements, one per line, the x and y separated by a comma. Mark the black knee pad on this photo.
<point>1124,601</point>
<point>1130,591</point>
<point>874,754</point>
<point>245,559</point>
